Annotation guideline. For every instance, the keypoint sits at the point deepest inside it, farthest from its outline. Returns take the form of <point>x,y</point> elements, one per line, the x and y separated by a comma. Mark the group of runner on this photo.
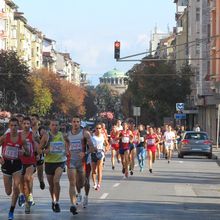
<point>128,142</point>
<point>28,147</point>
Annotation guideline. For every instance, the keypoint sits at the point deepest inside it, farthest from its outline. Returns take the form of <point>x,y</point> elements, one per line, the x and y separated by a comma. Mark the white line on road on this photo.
<point>184,190</point>
<point>104,195</point>
<point>116,184</point>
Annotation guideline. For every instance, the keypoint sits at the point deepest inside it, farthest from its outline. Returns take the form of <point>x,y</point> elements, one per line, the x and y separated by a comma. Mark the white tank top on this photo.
<point>98,142</point>
<point>75,144</point>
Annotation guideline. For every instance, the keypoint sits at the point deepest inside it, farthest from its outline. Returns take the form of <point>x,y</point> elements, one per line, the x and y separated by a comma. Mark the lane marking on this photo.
<point>116,184</point>
<point>104,195</point>
<point>184,190</point>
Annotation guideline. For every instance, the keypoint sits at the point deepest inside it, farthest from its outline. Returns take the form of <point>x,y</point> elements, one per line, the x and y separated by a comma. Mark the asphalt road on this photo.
<point>184,189</point>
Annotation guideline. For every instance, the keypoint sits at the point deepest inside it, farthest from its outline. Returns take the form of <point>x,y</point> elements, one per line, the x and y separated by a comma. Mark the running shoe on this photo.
<point>42,185</point>
<point>94,186</point>
<point>27,208</point>
<point>53,206</point>
<point>31,200</point>
<point>78,199</point>
<point>10,215</point>
<point>56,207</point>
<point>85,201</point>
<point>21,200</point>
<point>98,187</point>
<point>73,209</point>
<point>113,167</point>
<point>131,172</point>
<point>123,170</point>
<point>150,170</point>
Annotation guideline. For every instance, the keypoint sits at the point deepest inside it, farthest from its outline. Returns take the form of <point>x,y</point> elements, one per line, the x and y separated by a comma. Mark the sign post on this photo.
<point>136,113</point>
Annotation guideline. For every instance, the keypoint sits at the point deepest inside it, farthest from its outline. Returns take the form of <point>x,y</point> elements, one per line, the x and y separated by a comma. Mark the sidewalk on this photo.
<point>216,152</point>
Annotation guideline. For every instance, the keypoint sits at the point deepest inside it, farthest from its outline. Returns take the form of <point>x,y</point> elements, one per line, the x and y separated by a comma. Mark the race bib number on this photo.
<point>29,146</point>
<point>125,140</point>
<point>57,147</point>
<point>75,145</point>
<point>141,139</point>
<point>11,152</point>
<point>169,141</point>
<point>150,141</point>
<point>114,142</point>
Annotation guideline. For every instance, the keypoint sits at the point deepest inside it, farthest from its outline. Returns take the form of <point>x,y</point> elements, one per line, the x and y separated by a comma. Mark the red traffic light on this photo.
<point>117,44</point>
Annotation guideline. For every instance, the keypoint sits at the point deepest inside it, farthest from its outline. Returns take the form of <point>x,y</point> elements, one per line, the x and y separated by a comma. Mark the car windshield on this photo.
<point>196,136</point>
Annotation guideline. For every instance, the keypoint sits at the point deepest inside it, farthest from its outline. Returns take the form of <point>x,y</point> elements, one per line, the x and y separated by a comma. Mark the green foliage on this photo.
<point>14,76</point>
<point>156,88</point>
<point>42,100</point>
<point>106,98</point>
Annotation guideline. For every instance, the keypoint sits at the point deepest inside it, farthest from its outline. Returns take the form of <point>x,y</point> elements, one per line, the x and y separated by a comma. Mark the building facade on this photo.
<point>116,80</point>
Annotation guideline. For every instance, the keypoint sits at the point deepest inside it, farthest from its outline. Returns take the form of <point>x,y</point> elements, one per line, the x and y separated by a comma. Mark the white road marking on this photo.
<point>184,190</point>
<point>180,161</point>
<point>116,184</point>
<point>104,195</point>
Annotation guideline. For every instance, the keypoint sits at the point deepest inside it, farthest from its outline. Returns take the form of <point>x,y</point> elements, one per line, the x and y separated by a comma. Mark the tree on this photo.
<point>42,97</point>
<point>14,75</point>
<point>67,98</point>
<point>156,88</point>
<point>90,107</point>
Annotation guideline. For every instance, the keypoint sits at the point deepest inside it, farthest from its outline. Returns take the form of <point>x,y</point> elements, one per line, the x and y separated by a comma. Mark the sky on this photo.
<point>87,29</point>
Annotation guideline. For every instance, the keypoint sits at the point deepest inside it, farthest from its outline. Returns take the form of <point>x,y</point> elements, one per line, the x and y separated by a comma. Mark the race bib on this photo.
<point>57,147</point>
<point>75,145</point>
<point>150,141</point>
<point>11,152</point>
<point>141,139</point>
<point>114,142</point>
<point>169,141</point>
<point>29,146</point>
<point>125,140</point>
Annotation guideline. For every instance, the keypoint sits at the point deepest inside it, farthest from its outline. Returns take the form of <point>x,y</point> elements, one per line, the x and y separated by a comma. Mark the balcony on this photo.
<point>3,15</point>
<point>179,30</point>
<point>180,9</point>
<point>3,34</point>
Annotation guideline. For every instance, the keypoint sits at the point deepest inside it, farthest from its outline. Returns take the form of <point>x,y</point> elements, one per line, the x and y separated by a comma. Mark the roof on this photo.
<point>114,73</point>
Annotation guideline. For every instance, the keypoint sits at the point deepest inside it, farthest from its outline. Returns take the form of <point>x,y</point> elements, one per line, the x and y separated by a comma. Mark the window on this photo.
<point>196,136</point>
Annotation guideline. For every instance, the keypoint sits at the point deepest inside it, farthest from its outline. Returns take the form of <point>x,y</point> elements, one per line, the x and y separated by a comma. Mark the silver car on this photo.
<point>195,143</point>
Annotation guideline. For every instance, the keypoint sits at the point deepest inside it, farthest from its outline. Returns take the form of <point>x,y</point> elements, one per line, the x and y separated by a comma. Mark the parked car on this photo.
<point>195,143</point>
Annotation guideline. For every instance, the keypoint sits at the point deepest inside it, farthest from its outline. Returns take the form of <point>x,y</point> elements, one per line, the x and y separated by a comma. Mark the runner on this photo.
<point>13,146</point>
<point>114,141</point>
<point>151,144</point>
<point>100,144</point>
<point>29,165</point>
<point>126,137</point>
<point>160,143</point>
<point>141,152</point>
<point>133,146</point>
<point>40,158</point>
<point>54,147</point>
<point>169,138</point>
<point>77,138</point>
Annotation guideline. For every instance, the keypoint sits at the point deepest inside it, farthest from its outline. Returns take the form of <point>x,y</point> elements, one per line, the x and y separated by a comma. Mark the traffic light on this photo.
<point>117,50</point>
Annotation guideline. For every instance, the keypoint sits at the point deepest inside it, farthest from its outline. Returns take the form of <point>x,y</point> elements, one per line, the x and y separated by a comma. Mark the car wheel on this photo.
<point>210,156</point>
<point>180,155</point>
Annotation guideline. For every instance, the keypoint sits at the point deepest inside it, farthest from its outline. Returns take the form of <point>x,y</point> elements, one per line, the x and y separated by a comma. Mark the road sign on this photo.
<point>179,106</point>
<point>179,116</point>
<point>136,111</point>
